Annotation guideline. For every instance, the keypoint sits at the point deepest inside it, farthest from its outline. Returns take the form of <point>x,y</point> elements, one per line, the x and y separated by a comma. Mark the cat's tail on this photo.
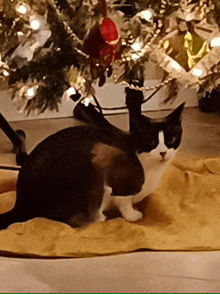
<point>20,148</point>
<point>90,115</point>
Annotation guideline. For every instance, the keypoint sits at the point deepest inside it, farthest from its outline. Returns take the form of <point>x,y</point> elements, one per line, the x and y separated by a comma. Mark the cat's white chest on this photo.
<point>153,171</point>
<point>154,163</point>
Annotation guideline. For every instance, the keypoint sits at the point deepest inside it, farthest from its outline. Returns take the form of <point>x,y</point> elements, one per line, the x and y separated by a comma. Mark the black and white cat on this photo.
<point>76,174</point>
<point>157,144</point>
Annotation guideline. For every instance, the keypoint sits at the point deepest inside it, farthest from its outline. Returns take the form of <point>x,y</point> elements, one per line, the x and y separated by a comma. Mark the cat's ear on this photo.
<point>176,115</point>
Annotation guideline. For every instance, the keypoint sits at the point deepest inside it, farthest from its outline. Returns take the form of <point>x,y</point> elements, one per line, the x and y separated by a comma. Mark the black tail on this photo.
<point>90,115</point>
<point>17,138</point>
<point>21,158</point>
<point>20,149</point>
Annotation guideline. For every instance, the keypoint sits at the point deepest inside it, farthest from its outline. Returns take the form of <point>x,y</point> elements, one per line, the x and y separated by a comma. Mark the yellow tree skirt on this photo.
<point>184,214</point>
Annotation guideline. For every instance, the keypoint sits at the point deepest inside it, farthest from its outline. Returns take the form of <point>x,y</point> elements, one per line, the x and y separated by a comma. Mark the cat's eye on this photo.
<point>153,143</point>
<point>171,140</point>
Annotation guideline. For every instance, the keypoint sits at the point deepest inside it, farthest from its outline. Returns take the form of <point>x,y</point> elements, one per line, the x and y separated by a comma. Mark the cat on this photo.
<point>156,148</point>
<point>76,174</point>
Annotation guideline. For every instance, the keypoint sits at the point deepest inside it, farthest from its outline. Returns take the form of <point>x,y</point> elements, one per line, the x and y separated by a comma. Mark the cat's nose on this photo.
<point>163,154</point>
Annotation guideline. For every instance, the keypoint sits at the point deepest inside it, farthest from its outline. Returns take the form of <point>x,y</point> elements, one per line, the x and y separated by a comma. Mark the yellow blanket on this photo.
<point>184,214</point>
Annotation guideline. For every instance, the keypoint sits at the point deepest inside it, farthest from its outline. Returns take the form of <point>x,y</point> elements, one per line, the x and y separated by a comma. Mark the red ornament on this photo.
<point>109,31</point>
<point>110,34</point>
<point>101,43</point>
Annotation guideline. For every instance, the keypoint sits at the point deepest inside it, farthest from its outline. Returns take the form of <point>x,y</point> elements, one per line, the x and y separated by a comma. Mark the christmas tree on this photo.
<point>55,49</point>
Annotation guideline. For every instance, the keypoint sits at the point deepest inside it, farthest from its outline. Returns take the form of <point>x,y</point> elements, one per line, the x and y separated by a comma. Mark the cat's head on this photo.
<point>159,137</point>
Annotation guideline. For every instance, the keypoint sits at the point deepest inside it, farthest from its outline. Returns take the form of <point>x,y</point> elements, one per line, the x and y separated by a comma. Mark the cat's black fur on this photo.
<point>63,177</point>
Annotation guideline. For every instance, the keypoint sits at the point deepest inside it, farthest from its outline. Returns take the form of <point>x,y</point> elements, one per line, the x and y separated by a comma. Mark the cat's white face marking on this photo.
<point>162,153</point>
<point>161,138</point>
<point>155,164</point>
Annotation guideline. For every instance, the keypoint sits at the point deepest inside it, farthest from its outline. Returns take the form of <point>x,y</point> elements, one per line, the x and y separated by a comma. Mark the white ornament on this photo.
<point>215,42</point>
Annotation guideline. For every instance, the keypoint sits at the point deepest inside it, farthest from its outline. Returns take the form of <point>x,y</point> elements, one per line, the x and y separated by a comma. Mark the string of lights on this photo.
<point>90,47</point>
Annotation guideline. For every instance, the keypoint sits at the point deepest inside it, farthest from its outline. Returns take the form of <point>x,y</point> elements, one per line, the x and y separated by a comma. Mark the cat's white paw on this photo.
<point>133,215</point>
<point>100,217</point>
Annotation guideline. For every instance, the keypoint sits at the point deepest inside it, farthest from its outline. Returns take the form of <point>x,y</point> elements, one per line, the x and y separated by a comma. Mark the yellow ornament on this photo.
<point>186,49</point>
<point>196,48</point>
<point>72,75</point>
<point>189,46</point>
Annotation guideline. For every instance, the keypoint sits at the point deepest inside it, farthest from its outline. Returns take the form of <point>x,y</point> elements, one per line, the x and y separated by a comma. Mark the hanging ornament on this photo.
<point>111,36</point>
<point>75,78</point>
<point>101,45</point>
<point>189,46</point>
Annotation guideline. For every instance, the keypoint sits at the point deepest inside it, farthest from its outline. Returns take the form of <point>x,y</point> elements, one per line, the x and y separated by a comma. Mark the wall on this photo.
<point>109,95</point>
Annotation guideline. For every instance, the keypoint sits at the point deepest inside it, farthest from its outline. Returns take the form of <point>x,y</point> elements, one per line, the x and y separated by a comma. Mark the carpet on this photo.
<point>183,214</point>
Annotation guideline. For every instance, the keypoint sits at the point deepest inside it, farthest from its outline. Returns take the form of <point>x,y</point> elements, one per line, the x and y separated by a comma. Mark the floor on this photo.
<point>146,272</point>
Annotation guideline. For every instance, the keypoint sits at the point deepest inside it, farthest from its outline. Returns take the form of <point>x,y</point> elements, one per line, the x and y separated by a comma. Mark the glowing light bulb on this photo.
<point>123,42</point>
<point>197,72</point>
<point>31,92</point>
<point>136,46</point>
<point>5,73</point>
<point>35,24</point>
<point>189,17</point>
<point>215,42</point>
<point>175,65</point>
<point>135,56</point>
<point>147,14</point>
<point>22,8</point>
<point>71,91</point>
